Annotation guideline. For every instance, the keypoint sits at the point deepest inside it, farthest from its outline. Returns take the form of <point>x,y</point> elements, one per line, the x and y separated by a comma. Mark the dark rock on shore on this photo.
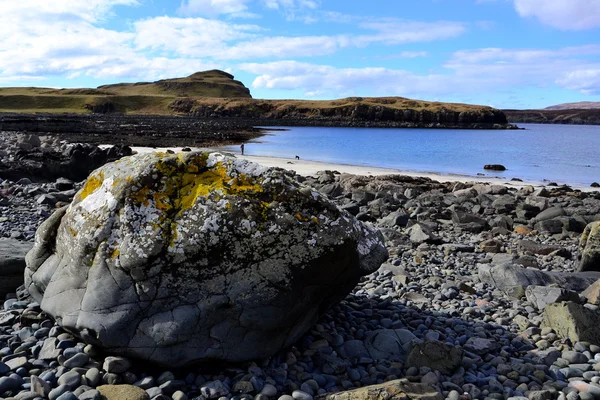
<point>132,130</point>
<point>46,159</point>
<point>495,167</point>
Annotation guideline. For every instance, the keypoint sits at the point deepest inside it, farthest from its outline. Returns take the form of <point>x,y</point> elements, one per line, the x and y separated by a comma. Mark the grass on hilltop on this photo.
<point>214,87</point>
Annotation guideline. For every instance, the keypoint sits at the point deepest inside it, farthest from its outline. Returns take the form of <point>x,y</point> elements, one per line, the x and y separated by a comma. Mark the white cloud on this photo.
<point>62,38</point>
<point>241,8</point>
<point>413,54</point>
<point>587,81</point>
<point>213,8</point>
<point>199,37</point>
<point>466,73</point>
<point>562,14</point>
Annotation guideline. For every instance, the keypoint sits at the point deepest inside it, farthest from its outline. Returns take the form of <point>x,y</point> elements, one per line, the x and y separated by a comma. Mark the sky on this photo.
<point>503,53</point>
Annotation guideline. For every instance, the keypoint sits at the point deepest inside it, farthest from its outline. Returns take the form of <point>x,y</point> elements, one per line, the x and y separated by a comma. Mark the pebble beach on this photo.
<point>428,316</point>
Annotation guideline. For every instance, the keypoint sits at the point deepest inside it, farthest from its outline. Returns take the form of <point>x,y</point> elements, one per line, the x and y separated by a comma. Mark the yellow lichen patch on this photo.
<point>91,185</point>
<point>301,218</point>
<point>162,201</point>
<point>115,253</point>
<point>140,196</point>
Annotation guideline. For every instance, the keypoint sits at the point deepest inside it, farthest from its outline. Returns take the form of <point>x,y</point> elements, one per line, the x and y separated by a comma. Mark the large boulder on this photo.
<point>195,256</point>
<point>589,244</point>
<point>12,264</point>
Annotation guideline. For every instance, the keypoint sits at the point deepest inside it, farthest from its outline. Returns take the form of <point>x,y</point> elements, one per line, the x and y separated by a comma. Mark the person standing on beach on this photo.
<point>242,147</point>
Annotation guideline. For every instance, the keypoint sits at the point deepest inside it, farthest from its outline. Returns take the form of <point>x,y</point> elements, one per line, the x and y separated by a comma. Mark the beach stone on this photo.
<point>435,355</point>
<point>536,248</point>
<point>550,213</point>
<point>385,344</point>
<point>116,365</point>
<point>550,226</point>
<point>479,345</point>
<point>78,360</point>
<point>541,296</point>
<point>491,246</point>
<point>49,350</point>
<point>71,379</point>
<point>592,293</point>
<point>574,321</point>
<point>393,219</point>
<point>122,392</point>
<point>12,264</point>
<point>179,258</point>
<point>8,383</point>
<point>40,386</point>
<point>391,390</point>
<point>589,245</point>
<point>420,233</point>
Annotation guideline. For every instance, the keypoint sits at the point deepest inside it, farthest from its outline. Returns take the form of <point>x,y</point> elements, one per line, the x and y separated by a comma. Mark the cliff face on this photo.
<point>358,113</point>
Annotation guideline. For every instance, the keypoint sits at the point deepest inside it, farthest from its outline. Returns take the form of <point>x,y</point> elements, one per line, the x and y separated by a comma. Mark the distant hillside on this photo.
<point>133,98</point>
<point>215,94</point>
<point>575,117</point>
<point>581,105</point>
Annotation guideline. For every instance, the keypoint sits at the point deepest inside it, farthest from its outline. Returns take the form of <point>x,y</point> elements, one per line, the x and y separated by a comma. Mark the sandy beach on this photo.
<point>310,168</point>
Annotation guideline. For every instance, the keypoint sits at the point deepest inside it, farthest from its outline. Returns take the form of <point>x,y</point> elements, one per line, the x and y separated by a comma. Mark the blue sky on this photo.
<point>504,53</point>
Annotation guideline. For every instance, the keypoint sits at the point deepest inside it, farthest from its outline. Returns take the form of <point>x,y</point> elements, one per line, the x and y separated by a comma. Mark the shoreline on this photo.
<point>310,168</point>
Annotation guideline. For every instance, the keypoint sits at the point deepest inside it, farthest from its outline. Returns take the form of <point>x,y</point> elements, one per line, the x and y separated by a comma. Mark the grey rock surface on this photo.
<point>541,296</point>
<point>179,258</point>
<point>508,276</point>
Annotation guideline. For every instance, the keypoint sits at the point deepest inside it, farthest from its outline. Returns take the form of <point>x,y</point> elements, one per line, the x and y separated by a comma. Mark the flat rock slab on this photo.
<point>509,276</point>
<point>123,392</point>
<point>400,389</point>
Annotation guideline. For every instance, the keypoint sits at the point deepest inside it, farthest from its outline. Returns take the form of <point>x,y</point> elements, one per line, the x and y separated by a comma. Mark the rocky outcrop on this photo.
<point>196,256</point>
<point>132,130</point>
<point>356,114</point>
<point>25,156</point>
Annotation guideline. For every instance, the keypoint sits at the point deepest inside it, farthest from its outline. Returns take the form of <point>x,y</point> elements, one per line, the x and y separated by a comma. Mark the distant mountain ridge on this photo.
<point>580,105</point>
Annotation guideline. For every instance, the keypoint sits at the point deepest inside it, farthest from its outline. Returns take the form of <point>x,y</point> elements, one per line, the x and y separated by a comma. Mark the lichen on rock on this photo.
<point>196,256</point>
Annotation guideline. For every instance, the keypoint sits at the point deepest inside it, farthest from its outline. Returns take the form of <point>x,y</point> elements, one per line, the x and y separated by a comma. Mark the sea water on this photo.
<point>559,153</point>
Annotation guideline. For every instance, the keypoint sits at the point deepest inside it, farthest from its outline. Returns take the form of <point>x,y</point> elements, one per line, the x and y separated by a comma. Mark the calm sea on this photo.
<point>559,153</point>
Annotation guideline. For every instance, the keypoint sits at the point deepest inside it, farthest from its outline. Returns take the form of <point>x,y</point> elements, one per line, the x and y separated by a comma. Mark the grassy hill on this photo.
<point>216,94</point>
<point>131,98</point>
